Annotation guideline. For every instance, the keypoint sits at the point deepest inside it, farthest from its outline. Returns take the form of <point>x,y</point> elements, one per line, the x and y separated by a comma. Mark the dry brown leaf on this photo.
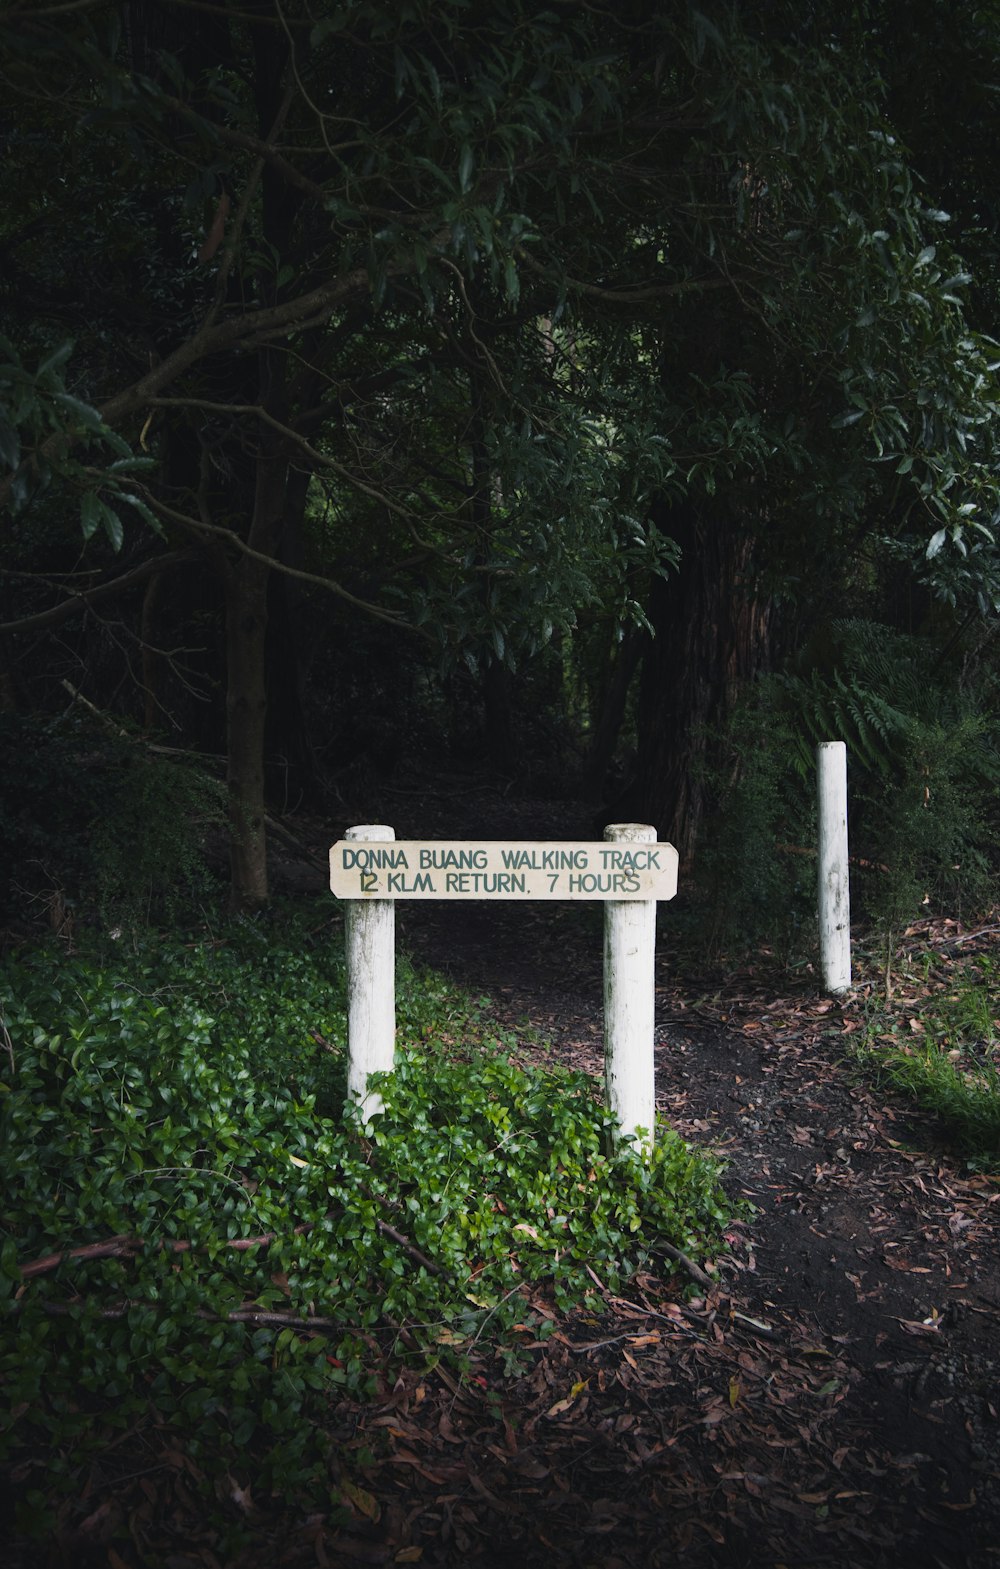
<point>364,1502</point>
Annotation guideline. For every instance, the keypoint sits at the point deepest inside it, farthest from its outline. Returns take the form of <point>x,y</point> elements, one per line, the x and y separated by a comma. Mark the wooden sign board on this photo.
<point>501,869</point>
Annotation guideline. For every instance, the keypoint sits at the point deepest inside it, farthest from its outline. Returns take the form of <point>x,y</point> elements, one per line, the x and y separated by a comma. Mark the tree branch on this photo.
<point>39,13</point>
<point>236,228</point>
<point>216,531</point>
<point>320,459</point>
<point>264,150</point>
<point>84,598</point>
<point>635,295</point>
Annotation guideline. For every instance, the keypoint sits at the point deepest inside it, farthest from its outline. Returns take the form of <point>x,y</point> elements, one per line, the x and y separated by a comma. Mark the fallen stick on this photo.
<point>124,1246</point>
<point>242,1315</point>
<point>410,1248</point>
<point>758,1326</point>
<point>694,1270</point>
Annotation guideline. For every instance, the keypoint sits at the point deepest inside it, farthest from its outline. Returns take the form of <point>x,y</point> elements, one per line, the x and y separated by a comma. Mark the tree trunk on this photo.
<point>711,637</point>
<point>291,763</point>
<point>246,684</point>
<point>153,661</point>
<point>8,698</point>
<point>501,745</point>
<point>611,715</point>
<point>246,712</point>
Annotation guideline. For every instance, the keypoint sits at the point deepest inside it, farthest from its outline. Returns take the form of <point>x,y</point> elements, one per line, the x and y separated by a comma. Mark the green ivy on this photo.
<point>187,1092</point>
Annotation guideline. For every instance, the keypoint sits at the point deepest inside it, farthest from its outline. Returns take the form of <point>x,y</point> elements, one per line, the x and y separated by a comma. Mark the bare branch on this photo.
<point>232,13</point>
<point>85,599</point>
<point>40,12</point>
<point>633,295</point>
<point>319,459</point>
<point>216,531</point>
<point>317,304</point>
<point>262,149</point>
<point>247,328</point>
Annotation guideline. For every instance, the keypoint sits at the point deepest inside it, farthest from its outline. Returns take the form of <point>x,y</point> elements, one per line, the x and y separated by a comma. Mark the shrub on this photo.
<point>755,856</point>
<point>923,745</point>
<point>185,1095</point>
<point>95,824</point>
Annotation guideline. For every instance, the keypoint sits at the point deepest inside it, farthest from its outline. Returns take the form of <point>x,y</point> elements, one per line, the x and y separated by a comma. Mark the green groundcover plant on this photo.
<point>946,1062</point>
<point>198,1237</point>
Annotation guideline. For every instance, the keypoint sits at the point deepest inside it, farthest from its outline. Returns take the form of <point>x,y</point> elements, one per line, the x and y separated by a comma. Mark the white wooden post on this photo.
<point>370,928</point>
<point>834,891</point>
<point>629,1000</point>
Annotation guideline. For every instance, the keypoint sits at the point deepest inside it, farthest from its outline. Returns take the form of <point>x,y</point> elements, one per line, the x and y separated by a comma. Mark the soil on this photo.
<point>831,1399</point>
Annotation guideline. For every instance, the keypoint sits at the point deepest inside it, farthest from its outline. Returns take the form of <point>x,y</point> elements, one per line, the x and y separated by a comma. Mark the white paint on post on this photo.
<point>629,1000</point>
<point>834,890</point>
<point>370,926</point>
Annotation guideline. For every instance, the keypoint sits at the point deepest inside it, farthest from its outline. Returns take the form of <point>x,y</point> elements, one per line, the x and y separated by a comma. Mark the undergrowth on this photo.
<point>234,1252</point>
<point>933,1037</point>
<point>923,749</point>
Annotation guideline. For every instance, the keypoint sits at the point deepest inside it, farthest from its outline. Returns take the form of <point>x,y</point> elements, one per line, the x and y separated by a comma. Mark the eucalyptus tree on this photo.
<point>469,319</point>
<point>310,221</point>
<point>797,314</point>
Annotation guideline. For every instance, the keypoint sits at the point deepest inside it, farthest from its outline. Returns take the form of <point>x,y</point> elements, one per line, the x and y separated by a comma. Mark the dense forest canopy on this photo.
<point>376,372</point>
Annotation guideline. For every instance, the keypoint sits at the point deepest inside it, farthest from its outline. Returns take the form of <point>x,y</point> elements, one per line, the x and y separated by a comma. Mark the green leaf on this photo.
<point>466,165</point>
<point>112,527</point>
<point>85,413</point>
<point>55,361</point>
<point>10,442</point>
<point>95,513</point>
<point>90,513</point>
<point>144,511</point>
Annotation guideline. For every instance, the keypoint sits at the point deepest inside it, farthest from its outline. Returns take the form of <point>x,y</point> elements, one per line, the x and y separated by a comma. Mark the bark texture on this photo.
<point>711,626</point>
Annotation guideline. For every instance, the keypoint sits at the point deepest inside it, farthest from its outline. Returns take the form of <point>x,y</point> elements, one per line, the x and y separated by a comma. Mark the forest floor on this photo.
<point>831,1399</point>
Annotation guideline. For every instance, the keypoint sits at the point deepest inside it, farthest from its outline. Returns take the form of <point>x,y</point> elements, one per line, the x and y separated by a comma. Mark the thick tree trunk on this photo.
<point>501,746</point>
<point>611,715</point>
<point>711,637</point>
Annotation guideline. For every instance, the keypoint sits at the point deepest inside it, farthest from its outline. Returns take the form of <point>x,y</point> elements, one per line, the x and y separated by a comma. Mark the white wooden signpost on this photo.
<point>629,871</point>
<point>833,885</point>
